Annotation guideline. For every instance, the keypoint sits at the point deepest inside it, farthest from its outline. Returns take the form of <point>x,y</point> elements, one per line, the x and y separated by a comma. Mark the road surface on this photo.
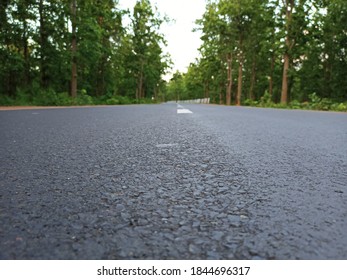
<point>168,182</point>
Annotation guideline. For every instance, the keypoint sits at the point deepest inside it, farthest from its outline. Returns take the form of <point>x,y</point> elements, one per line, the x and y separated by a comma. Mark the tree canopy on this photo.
<point>270,51</point>
<point>252,52</point>
<point>52,49</point>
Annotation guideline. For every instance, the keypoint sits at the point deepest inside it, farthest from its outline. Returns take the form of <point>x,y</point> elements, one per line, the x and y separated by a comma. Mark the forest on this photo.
<point>272,53</point>
<point>63,52</point>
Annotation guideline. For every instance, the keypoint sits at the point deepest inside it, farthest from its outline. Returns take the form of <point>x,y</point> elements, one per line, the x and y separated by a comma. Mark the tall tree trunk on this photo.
<point>239,85</point>
<point>43,47</point>
<point>11,83</point>
<point>102,65</point>
<point>142,90</point>
<point>207,90</point>
<point>156,89</point>
<point>73,89</point>
<point>253,77</point>
<point>284,94</point>
<point>230,79</point>
<point>327,75</point>
<point>26,55</point>
<point>23,14</point>
<point>289,6</point>
<point>271,78</point>
<point>100,81</point>
<point>221,94</point>
<point>140,82</point>
<point>240,76</point>
<point>27,64</point>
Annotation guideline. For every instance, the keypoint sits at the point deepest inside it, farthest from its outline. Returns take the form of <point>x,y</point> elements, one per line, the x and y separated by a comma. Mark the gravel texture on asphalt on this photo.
<point>143,182</point>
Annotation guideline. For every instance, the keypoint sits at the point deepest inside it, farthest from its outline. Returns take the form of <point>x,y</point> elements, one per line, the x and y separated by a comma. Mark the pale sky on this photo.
<point>183,43</point>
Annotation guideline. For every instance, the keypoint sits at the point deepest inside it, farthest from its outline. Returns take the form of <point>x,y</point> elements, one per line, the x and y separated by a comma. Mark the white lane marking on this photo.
<point>182,110</point>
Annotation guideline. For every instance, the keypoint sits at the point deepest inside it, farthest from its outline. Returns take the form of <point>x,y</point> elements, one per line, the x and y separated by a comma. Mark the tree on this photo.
<point>226,26</point>
<point>287,49</point>
<point>288,6</point>
<point>73,90</point>
<point>147,54</point>
<point>176,88</point>
<point>138,59</point>
<point>239,15</point>
<point>218,46</point>
<point>334,56</point>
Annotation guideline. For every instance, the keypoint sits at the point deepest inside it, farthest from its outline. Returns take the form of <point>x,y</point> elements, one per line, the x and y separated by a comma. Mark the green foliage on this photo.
<point>243,47</point>
<point>341,107</point>
<point>265,100</point>
<point>50,98</point>
<point>83,99</point>
<point>23,97</point>
<point>35,52</point>
<point>250,102</point>
<point>295,104</point>
<point>176,89</point>
<point>253,37</point>
<point>316,103</point>
<point>112,101</point>
<point>6,101</point>
<point>314,98</point>
<point>140,61</point>
<point>120,100</point>
<point>320,103</point>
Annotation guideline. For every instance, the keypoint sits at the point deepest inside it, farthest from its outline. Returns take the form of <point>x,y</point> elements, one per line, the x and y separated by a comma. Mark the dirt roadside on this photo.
<point>13,108</point>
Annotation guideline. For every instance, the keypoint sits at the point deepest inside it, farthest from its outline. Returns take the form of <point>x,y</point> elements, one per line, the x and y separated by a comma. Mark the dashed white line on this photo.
<point>182,110</point>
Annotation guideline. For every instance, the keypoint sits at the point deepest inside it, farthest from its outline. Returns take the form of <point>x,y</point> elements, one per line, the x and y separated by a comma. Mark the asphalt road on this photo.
<point>143,182</point>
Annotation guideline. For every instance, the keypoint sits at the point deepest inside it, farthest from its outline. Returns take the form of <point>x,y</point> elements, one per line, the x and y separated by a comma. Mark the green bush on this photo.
<point>123,100</point>
<point>6,100</point>
<point>51,98</point>
<point>63,99</point>
<point>325,104</point>
<point>250,102</point>
<point>45,98</point>
<point>265,100</point>
<point>23,97</point>
<point>112,101</point>
<point>48,97</point>
<point>295,104</point>
<point>316,103</point>
<point>339,107</point>
<point>314,99</point>
<point>147,101</point>
<point>305,105</point>
<point>83,98</point>
<point>279,106</point>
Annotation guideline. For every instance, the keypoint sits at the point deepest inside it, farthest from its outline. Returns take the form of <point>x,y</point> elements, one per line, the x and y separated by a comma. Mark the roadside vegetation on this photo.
<point>51,98</point>
<point>279,54</point>
<point>314,103</point>
<point>272,53</point>
<point>80,53</point>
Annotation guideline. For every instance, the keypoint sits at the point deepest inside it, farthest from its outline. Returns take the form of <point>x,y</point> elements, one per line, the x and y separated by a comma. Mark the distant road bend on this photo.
<point>173,182</point>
